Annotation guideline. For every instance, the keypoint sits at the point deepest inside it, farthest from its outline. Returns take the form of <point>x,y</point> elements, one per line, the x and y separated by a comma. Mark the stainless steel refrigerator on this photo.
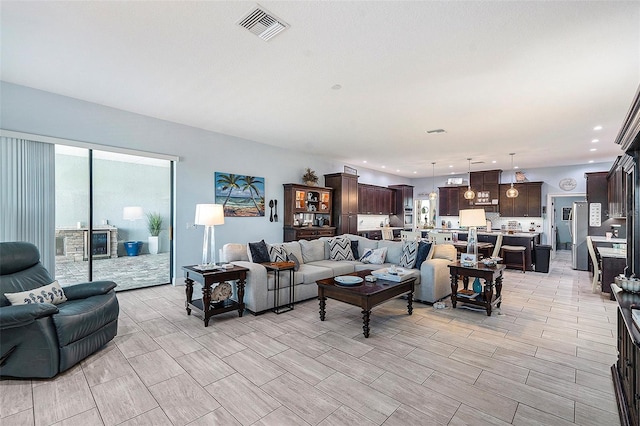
<point>579,227</point>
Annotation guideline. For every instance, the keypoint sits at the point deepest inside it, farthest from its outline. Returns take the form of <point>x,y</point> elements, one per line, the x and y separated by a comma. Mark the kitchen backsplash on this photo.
<point>497,221</point>
<point>371,221</point>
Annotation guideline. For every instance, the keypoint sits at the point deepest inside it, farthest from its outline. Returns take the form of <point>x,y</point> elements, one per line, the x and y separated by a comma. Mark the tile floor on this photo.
<point>543,360</point>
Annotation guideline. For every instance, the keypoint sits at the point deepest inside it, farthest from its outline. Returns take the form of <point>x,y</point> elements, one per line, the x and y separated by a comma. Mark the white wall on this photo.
<point>201,154</point>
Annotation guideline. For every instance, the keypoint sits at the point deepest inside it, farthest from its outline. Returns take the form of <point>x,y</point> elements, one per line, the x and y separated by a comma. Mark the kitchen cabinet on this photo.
<point>307,212</point>
<point>403,198</point>
<point>528,203</point>
<point>616,191</point>
<point>486,185</point>
<point>626,380</point>
<point>449,200</point>
<point>345,201</point>
<point>597,193</point>
<point>374,199</point>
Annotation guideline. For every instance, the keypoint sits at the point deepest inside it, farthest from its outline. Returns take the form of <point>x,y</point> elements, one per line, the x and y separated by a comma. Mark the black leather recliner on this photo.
<point>41,339</point>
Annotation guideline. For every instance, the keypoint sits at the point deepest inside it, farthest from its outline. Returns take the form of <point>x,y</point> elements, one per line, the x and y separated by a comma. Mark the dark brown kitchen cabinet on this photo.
<point>403,198</point>
<point>376,200</point>
<point>366,195</point>
<point>616,190</point>
<point>449,200</point>
<point>345,201</point>
<point>486,185</point>
<point>528,203</point>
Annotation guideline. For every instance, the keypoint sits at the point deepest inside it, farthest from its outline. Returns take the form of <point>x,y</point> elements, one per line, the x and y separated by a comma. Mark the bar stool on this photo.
<point>514,249</point>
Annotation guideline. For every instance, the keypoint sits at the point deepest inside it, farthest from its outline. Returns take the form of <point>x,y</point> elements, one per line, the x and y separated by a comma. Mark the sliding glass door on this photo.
<point>128,200</point>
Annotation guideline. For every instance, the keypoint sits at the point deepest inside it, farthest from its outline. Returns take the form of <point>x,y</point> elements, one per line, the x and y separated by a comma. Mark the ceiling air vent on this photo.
<point>262,23</point>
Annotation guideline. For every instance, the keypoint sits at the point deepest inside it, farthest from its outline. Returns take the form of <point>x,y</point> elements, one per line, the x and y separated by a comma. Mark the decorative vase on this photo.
<point>153,245</point>
<point>309,183</point>
<point>477,287</point>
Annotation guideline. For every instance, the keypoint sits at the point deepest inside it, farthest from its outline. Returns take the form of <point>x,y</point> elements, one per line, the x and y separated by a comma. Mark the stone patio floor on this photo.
<point>128,272</point>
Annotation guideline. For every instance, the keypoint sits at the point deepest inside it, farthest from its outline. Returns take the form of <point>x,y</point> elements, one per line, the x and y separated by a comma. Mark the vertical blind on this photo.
<point>27,195</point>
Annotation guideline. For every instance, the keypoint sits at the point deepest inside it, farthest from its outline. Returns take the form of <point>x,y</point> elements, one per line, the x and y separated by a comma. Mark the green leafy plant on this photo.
<point>309,176</point>
<point>154,223</point>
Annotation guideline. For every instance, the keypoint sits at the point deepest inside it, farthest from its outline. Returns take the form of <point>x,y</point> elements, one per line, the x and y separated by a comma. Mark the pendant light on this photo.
<point>469,194</point>
<point>512,192</point>
<point>433,195</point>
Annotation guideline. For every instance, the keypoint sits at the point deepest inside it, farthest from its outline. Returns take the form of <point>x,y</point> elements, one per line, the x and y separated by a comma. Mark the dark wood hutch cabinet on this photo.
<point>626,377</point>
<point>307,212</point>
<point>345,201</point>
<point>617,190</point>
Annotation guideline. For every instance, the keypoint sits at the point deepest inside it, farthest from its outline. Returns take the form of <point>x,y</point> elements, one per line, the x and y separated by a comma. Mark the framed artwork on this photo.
<point>350,170</point>
<point>241,195</point>
<point>566,213</point>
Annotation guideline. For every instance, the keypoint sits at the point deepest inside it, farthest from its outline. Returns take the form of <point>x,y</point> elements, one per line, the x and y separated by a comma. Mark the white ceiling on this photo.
<point>532,78</point>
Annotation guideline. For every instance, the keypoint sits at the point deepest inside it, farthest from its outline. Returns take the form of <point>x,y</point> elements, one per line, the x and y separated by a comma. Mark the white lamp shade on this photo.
<point>132,213</point>
<point>209,214</point>
<point>472,217</point>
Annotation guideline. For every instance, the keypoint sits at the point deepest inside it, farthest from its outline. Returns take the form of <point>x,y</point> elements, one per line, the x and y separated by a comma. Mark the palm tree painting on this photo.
<point>241,195</point>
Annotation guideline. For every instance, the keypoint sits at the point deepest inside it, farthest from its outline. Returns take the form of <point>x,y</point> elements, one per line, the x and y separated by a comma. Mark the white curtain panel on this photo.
<point>27,195</point>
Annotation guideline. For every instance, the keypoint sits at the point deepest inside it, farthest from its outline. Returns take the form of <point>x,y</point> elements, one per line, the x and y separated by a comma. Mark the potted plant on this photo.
<point>154,225</point>
<point>310,177</point>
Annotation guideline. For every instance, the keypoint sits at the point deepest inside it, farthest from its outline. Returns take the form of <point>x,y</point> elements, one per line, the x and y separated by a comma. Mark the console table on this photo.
<point>492,275</point>
<point>207,279</point>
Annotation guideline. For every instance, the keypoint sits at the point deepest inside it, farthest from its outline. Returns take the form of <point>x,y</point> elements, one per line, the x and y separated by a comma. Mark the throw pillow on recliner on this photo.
<point>51,293</point>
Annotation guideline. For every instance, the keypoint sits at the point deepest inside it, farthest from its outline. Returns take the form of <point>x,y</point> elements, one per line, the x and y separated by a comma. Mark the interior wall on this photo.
<point>201,153</point>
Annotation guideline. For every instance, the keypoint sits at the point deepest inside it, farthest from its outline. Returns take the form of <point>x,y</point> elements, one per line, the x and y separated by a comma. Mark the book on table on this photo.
<point>468,294</point>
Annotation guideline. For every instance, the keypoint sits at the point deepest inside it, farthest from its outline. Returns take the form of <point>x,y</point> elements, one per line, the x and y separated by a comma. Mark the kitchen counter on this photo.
<point>601,239</point>
<point>379,228</point>
<point>492,232</point>
<point>611,252</point>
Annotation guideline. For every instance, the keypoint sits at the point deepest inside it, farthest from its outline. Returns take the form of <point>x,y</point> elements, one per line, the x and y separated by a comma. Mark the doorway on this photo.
<point>559,224</point>
<point>106,204</point>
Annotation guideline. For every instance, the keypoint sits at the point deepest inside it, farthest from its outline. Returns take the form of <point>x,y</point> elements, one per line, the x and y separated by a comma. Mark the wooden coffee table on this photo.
<point>366,295</point>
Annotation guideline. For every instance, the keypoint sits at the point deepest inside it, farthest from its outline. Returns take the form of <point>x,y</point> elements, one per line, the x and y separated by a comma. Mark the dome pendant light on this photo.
<point>469,194</point>
<point>512,192</point>
<point>433,195</point>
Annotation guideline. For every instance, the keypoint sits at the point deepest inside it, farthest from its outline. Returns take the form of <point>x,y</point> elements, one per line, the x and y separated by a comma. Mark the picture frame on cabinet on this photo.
<point>350,170</point>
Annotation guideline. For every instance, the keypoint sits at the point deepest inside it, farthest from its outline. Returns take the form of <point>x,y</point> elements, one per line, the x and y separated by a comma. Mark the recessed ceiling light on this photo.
<point>516,167</point>
<point>450,167</point>
<point>414,172</point>
<point>384,167</point>
<point>452,173</point>
<point>494,161</point>
<point>336,87</point>
<point>597,128</point>
<point>591,161</point>
<point>364,161</point>
<point>595,141</point>
<point>593,149</point>
<point>397,170</point>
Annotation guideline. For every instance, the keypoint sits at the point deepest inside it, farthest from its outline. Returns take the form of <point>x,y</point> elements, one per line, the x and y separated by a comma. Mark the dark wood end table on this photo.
<point>492,276</point>
<point>207,279</point>
<point>366,295</point>
<point>276,267</point>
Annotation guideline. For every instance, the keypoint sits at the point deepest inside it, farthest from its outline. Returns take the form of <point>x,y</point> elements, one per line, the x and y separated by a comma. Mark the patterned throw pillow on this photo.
<point>376,256</point>
<point>354,249</point>
<point>277,253</point>
<point>258,252</point>
<point>409,254</point>
<point>340,249</point>
<point>51,293</point>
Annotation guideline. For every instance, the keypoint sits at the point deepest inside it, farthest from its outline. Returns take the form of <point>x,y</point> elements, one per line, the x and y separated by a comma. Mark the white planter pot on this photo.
<point>153,245</point>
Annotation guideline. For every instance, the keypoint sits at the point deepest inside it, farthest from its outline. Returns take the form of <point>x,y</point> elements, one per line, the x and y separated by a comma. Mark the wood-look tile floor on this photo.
<point>543,359</point>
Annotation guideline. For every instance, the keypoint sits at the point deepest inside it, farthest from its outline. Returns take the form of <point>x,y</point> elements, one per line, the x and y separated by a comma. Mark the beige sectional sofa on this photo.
<point>432,279</point>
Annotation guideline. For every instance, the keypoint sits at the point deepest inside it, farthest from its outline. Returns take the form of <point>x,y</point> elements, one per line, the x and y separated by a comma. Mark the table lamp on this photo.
<point>209,215</point>
<point>472,218</point>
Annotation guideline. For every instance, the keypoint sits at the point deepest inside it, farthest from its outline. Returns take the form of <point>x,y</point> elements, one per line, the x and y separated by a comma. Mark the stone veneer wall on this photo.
<point>74,242</point>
